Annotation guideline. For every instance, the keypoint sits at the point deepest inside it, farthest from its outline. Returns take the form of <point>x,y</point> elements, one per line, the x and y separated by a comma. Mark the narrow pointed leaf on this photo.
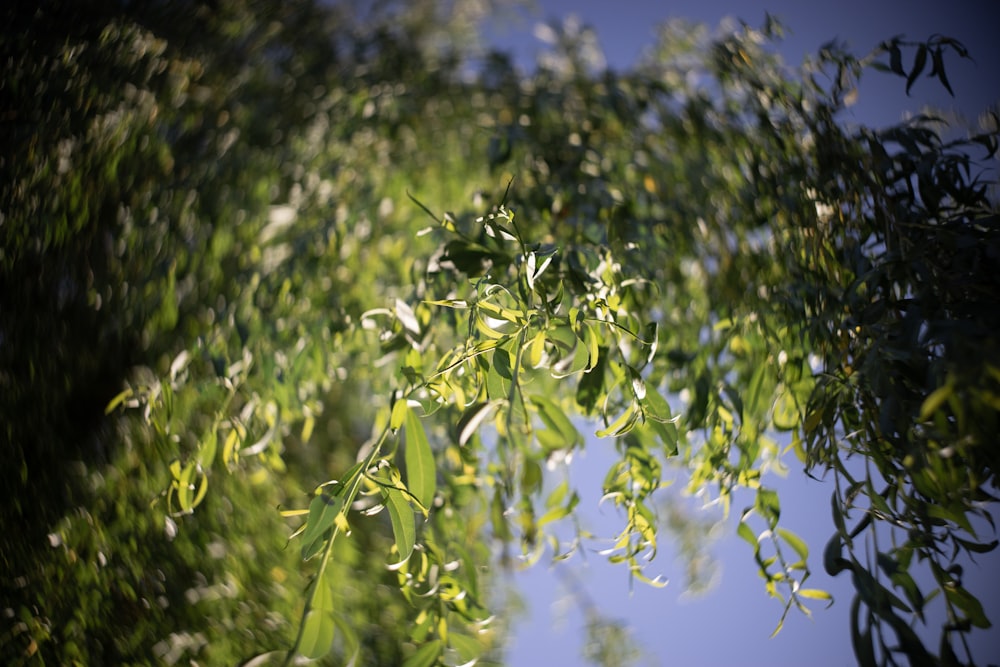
<point>401,516</point>
<point>795,542</point>
<point>421,474</point>
<point>318,630</point>
<point>425,656</point>
<point>918,66</point>
<point>473,416</point>
<point>555,419</point>
<point>323,511</point>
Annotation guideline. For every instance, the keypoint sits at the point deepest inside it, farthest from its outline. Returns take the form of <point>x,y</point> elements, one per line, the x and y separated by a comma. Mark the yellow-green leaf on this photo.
<point>537,350</point>
<point>934,401</point>
<point>323,511</point>
<point>317,634</point>
<point>401,516</point>
<point>795,542</point>
<point>421,475</point>
<point>623,424</point>
<point>116,401</point>
<point>814,594</point>
<point>786,413</point>
<point>426,655</point>
<point>399,410</point>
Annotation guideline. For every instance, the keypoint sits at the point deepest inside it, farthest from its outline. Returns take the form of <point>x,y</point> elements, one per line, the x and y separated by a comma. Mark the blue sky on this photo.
<point>732,624</point>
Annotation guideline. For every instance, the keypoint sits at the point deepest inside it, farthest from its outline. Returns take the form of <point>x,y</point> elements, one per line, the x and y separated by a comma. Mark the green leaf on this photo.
<point>185,488</point>
<point>833,560</point>
<point>500,374</point>
<point>918,66</point>
<point>934,401</point>
<point>209,446</point>
<point>537,350</point>
<point>938,68</point>
<point>426,655</point>
<point>744,531</point>
<point>500,527</point>
<point>896,58</point>
<point>786,412</point>
<point>623,424</point>
<point>323,511</point>
<point>116,401</point>
<point>401,516</point>
<point>861,640</point>
<point>421,474</point>
<point>592,340</point>
<point>317,634</point>
<point>468,648</point>
<point>768,505</point>
<point>556,420</point>
<point>814,594</point>
<point>969,604</point>
<point>655,407</point>
<point>318,630</point>
<point>795,542</point>
<point>400,408</point>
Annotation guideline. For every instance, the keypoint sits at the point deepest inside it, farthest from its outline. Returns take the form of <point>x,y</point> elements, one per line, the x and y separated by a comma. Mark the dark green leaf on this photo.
<point>969,604</point>
<point>861,640</point>
<point>591,385</point>
<point>919,61</point>
<point>896,58</point>
<point>833,560</point>
<point>938,68</point>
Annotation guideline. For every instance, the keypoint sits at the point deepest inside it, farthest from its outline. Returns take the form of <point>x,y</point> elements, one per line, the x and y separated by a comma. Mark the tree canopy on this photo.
<point>304,312</point>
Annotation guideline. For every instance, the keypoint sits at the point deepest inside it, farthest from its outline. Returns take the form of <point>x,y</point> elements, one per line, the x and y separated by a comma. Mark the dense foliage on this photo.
<point>234,310</point>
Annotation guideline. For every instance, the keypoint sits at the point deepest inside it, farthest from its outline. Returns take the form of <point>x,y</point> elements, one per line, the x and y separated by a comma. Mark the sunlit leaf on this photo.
<point>745,532</point>
<point>117,400</point>
<point>318,630</point>
<point>400,409</point>
<point>934,401</point>
<point>401,516</point>
<point>814,594</point>
<point>421,472</point>
<point>426,655</point>
<point>406,316</point>
<point>623,424</point>
<point>786,412</point>
<point>794,541</point>
<point>323,511</point>
<point>468,648</point>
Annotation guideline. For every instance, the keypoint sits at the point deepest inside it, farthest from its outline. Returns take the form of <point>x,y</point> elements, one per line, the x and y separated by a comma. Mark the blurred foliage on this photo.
<point>226,318</point>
